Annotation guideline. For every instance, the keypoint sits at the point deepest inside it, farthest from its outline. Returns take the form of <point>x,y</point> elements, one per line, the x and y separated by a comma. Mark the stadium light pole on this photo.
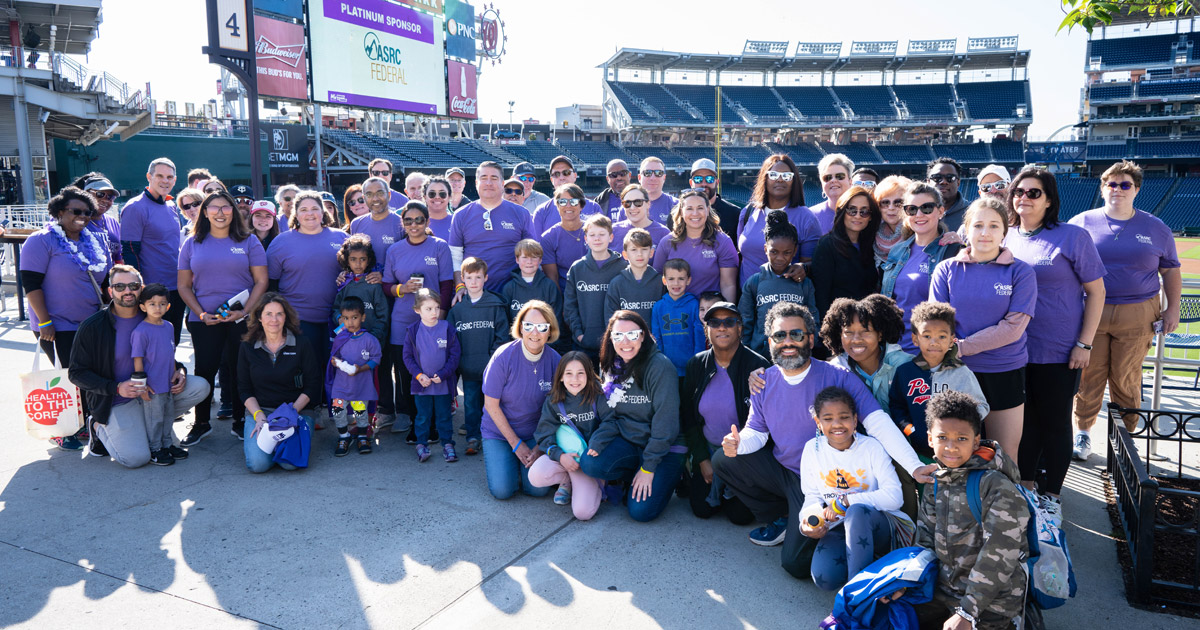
<point>510,113</point>
<point>230,45</point>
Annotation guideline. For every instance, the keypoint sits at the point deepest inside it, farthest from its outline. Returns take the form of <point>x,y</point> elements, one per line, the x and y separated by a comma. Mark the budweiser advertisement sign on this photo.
<point>464,102</point>
<point>280,55</point>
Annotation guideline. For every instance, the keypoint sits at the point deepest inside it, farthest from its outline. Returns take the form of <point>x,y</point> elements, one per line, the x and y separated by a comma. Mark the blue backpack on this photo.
<point>1051,573</point>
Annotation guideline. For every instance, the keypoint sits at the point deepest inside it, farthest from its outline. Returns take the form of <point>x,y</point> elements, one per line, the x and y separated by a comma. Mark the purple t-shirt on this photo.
<point>982,295</point>
<point>562,247</point>
<point>707,261</point>
<point>432,258</point>
<point>785,410</point>
<point>621,228</point>
<point>432,349</point>
<point>383,233</point>
<point>441,227</point>
<point>521,386</point>
<point>1063,258</point>
<point>715,407</point>
<point>547,216</point>
<point>912,288</point>
<point>616,211</point>
<point>358,350</point>
<point>123,351</point>
<point>397,201</point>
<point>155,344</point>
<point>306,267</point>
<point>108,230</point>
<point>69,295</point>
<point>156,226</point>
<point>660,209</point>
<point>824,213</point>
<point>1132,252</point>
<point>220,269</point>
<point>752,243</point>
<point>509,223</point>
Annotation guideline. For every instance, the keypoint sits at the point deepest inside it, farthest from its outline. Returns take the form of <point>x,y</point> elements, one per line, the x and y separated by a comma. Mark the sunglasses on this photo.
<point>704,179</point>
<point>634,203</point>
<point>414,221</point>
<point>937,179</point>
<point>288,199</point>
<point>487,220</point>
<point>630,335</point>
<point>111,196</point>
<point>566,172</point>
<point>357,200</point>
<point>562,203</point>
<point>243,200</point>
<point>621,173</point>
<point>513,191</point>
<point>1121,185</point>
<point>84,213</point>
<point>440,194</point>
<point>214,208</point>
<point>996,186</point>
<point>869,185</point>
<point>530,327</point>
<point>795,334</point>
<point>858,212</point>
<point>653,172</point>
<point>828,177</point>
<point>928,207</point>
<point>527,178</point>
<point>778,176</point>
<point>188,206</point>
<point>722,322</point>
<point>1032,193</point>
<point>890,203</point>
<point>121,287</point>
<point>381,173</point>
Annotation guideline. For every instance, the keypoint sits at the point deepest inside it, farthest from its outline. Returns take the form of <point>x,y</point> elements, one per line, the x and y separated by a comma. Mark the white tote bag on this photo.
<point>53,407</point>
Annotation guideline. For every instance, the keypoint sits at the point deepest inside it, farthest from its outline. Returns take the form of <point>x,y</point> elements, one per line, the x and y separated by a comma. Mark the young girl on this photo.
<point>153,350</point>
<point>357,259</point>
<point>431,355</point>
<point>355,355</point>
<point>768,286</point>
<point>852,497</point>
<point>575,401</point>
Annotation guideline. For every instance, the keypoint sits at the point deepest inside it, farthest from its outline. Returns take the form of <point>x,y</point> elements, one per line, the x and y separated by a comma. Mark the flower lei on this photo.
<point>81,257</point>
<point>615,382</point>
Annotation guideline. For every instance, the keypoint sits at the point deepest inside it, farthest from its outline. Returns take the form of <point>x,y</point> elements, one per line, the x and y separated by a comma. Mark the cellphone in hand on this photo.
<point>419,278</point>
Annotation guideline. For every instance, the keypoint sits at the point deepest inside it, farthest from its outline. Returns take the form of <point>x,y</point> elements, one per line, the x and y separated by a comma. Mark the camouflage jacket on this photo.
<point>982,565</point>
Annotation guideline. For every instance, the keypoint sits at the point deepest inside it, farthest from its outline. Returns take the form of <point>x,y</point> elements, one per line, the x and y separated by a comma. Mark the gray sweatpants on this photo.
<point>158,420</point>
<point>127,434</point>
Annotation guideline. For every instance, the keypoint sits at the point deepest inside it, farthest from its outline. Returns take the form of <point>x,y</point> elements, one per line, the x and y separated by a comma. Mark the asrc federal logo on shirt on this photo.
<point>508,226</point>
<point>441,342</point>
<point>1003,289</point>
<point>431,261</point>
<point>708,253</point>
<point>590,288</point>
<point>1144,240</point>
<point>544,385</point>
<point>924,267</point>
<point>763,300</point>
<point>387,240</point>
<point>241,251</point>
<point>1044,261</point>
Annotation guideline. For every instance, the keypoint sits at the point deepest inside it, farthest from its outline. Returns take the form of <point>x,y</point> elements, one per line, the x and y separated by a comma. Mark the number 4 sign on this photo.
<point>231,18</point>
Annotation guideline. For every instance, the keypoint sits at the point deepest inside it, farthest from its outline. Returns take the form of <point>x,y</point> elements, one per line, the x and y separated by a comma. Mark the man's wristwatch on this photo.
<point>965,615</point>
<point>1080,344</point>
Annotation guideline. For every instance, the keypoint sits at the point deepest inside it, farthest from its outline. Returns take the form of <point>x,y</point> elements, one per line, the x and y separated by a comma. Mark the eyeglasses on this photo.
<point>215,208</point>
<point>566,172</point>
<point>209,191</point>
<point>928,207</point>
<point>828,177</point>
<point>861,334</point>
<point>705,179</point>
<point>722,322</point>
<point>890,203</point>
<point>530,327</point>
<point>357,200</point>
<point>369,193</point>
<point>1121,185</point>
<point>629,335</point>
<point>620,173</point>
<point>634,203</point>
<point>937,179</point>
<point>563,202</point>
<point>438,194</point>
<point>414,220</point>
<point>381,173</point>
<point>121,287</point>
<point>514,191</point>
<point>795,334</point>
<point>869,185</point>
<point>996,186</point>
<point>243,200</point>
<point>487,220</point>
<point>85,213</point>
<point>778,175</point>
<point>858,212</point>
<point>111,196</point>
<point>653,172</point>
<point>188,206</point>
<point>1032,193</point>
<point>527,178</point>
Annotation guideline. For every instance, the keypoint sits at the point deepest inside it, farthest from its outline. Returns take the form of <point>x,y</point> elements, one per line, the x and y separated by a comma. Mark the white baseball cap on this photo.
<point>997,170</point>
<point>262,206</point>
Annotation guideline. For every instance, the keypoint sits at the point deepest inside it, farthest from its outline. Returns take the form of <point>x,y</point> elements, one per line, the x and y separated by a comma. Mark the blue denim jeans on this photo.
<point>505,473</point>
<point>436,408</point>
<point>472,409</point>
<point>257,460</point>
<point>620,461</point>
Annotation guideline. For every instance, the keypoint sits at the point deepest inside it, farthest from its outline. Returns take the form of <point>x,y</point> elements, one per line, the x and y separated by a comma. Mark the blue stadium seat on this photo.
<point>1008,152</point>
<point>995,99</point>
<point>1179,149</point>
<point>536,152</point>
<point>813,194</point>
<point>1174,87</point>
<point>860,153</point>
<point>1076,194</point>
<point>1108,92</point>
<point>704,98</point>
<point>1151,194</point>
<point>927,101</point>
<point>965,153</point>
<point>759,101</point>
<point>904,154</point>
<point>670,158</point>
<point>1180,211</point>
<point>802,154</point>
<point>867,100</point>
<point>1125,51</point>
<point>812,101</point>
<point>594,153</point>
<point>625,97</point>
<point>1106,151</point>
<point>660,100</point>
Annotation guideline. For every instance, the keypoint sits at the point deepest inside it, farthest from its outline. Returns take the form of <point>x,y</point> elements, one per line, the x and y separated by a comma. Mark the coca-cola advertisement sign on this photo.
<point>463,100</point>
<point>279,53</point>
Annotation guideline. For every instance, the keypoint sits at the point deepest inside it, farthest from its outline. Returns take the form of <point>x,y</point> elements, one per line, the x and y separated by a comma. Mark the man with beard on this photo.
<point>705,177</point>
<point>768,482</point>
<point>945,174</point>
<point>609,199</point>
<point>101,366</point>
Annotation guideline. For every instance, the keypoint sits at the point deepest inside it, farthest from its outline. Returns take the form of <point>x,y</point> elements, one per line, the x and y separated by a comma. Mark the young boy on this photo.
<point>480,322</point>
<point>529,282</point>
<point>707,299</point>
<point>937,369</point>
<point>639,286</point>
<point>153,351</point>
<point>675,319</point>
<point>768,286</point>
<point>587,287</point>
<point>354,355</point>
<point>431,354</point>
<point>993,549</point>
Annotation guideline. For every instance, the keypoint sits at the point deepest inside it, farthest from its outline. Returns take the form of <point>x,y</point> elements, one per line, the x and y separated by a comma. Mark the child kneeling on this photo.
<point>852,496</point>
<point>576,401</point>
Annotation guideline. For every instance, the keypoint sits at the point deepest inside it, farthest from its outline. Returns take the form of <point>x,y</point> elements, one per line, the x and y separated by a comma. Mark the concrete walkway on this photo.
<point>380,541</point>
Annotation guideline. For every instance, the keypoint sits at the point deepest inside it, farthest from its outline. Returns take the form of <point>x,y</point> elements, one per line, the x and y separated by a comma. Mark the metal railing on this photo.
<point>24,217</point>
<point>1160,360</point>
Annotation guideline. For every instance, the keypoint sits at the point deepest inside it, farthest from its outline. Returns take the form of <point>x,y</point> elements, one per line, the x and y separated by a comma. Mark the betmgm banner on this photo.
<point>376,54</point>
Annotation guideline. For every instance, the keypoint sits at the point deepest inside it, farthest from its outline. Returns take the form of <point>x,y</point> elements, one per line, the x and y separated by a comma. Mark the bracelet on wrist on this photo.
<point>837,506</point>
<point>518,446</point>
<point>45,323</point>
<point>459,287</point>
<point>1084,346</point>
<point>965,615</point>
<point>254,416</point>
<point>645,471</point>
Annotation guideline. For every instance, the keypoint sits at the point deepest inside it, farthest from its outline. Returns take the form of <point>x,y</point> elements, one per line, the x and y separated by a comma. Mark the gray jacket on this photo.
<point>584,295</point>
<point>646,415</point>
<point>625,293</point>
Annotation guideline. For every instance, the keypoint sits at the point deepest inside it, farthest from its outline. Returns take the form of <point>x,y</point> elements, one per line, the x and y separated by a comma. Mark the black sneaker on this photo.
<point>176,452</point>
<point>412,436</point>
<point>162,457</point>
<point>364,445</point>
<point>200,430</point>
<point>96,447</point>
<point>343,446</point>
<point>238,429</point>
<point>225,412</point>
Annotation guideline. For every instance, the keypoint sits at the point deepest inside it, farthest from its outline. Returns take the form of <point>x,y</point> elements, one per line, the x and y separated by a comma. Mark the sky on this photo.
<point>554,48</point>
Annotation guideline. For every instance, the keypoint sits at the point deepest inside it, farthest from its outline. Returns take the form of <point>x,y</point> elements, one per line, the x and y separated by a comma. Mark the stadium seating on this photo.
<point>669,157</point>
<point>1180,211</point>
<point>465,152</point>
<point>666,105</point>
<point>1152,192</point>
<point>748,156</point>
<point>594,153</point>
<point>813,194</point>
<point>759,101</point>
<point>1076,194</point>
<point>802,154</point>
<point>927,101</point>
<point>1128,51</point>
<point>1187,148</point>
<point>535,151</point>
<point>1109,92</point>
<point>1106,151</point>
<point>1175,87</point>
<point>867,100</point>
<point>625,97</point>
<point>704,98</point>
<point>995,99</point>
<point>736,194</point>
<point>904,154</point>
<point>965,153</point>
<point>812,101</point>
<point>860,153</point>
<point>1008,152</point>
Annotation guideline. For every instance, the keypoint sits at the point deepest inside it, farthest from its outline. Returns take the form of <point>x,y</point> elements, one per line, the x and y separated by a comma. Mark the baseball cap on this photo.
<point>453,170</point>
<point>524,168</point>
<point>100,184</point>
<point>704,164</point>
<point>262,206</point>
<point>562,158</point>
<point>711,312</point>
<point>241,190</point>
<point>995,169</point>
<point>328,196</point>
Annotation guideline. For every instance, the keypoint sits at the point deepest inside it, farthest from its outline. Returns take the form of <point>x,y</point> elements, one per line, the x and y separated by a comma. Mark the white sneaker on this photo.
<point>1083,446</point>
<point>1052,508</point>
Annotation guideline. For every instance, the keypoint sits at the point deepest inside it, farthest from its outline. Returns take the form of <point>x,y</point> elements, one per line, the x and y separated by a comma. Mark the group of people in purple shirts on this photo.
<point>622,348</point>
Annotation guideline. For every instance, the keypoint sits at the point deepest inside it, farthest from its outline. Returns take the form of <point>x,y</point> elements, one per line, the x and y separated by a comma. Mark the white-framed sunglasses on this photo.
<point>777,175</point>
<point>996,186</point>
<point>487,220</point>
<point>629,335</point>
<point>530,327</point>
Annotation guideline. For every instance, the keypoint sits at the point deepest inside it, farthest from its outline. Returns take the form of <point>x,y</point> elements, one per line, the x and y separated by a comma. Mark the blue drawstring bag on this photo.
<point>295,449</point>
<point>856,606</point>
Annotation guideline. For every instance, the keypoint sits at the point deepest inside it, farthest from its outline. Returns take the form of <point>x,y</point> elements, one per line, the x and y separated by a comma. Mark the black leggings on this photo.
<point>1046,436</point>
<point>215,346</point>
<point>405,403</point>
<point>175,315</point>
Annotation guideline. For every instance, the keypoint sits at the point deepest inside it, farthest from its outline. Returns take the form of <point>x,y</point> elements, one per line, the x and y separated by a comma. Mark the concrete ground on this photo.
<point>380,541</point>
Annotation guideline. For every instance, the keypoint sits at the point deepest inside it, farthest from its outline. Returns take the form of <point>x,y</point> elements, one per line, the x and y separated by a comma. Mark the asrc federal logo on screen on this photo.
<point>385,60</point>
